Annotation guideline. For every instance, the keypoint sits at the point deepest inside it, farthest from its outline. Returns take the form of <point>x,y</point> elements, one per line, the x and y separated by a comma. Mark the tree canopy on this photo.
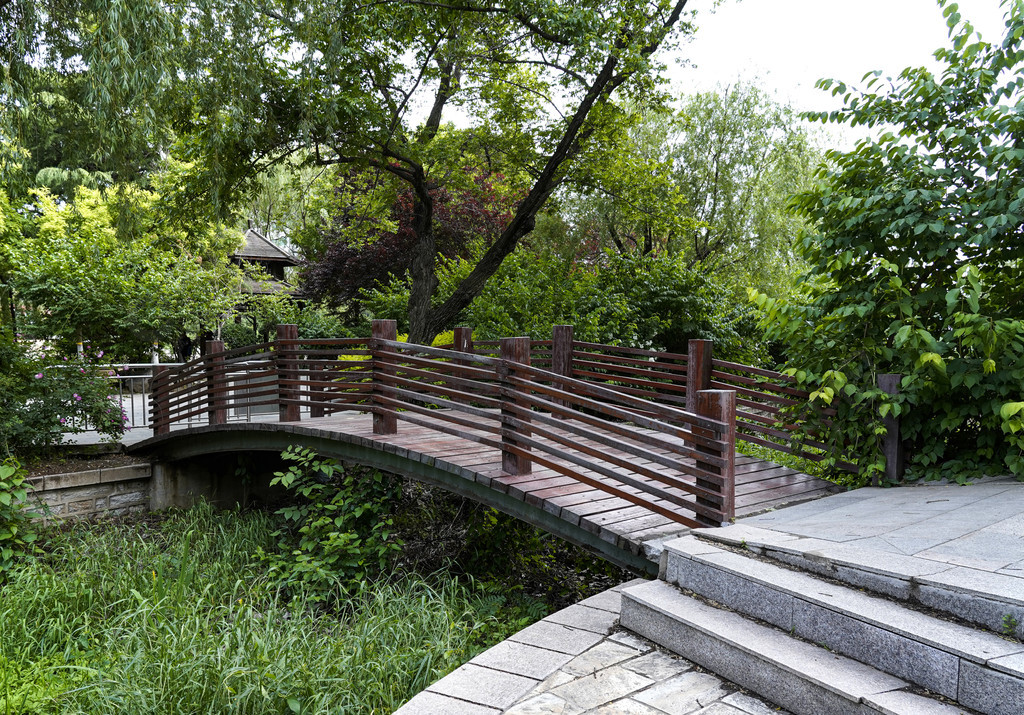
<point>80,281</point>
<point>709,181</point>
<point>916,254</point>
<point>371,86</point>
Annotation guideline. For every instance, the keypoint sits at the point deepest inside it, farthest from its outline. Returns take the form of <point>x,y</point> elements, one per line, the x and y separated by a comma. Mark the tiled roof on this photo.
<point>258,248</point>
<point>267,286</point>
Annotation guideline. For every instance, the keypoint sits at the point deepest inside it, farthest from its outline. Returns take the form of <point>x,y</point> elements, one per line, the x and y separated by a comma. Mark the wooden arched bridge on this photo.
<point>610,447</point>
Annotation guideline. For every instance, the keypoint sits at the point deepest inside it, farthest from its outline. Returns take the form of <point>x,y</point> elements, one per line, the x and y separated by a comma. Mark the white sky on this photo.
<point>787,45</point>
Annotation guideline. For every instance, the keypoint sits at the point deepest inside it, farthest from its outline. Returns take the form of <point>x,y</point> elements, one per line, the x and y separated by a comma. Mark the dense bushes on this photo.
<point>41,402</point>
<point>337,532</point>
<point>916,264</point>
<point>631,299</point>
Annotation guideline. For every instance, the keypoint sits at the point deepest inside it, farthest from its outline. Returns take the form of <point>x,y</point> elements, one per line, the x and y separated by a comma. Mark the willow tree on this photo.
<point>80,82</point>
<point>373,85</point>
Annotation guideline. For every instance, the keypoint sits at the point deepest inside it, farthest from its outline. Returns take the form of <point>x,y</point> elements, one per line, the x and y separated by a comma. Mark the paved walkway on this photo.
<point>578,661</point>
<point>956,542</point>
<point>979,527</point>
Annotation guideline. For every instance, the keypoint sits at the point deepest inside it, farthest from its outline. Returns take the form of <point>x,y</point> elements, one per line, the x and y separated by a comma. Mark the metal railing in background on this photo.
<point>130,387</point>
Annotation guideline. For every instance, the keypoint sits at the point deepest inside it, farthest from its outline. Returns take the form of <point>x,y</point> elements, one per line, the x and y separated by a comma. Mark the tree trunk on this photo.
<point>422,270</point>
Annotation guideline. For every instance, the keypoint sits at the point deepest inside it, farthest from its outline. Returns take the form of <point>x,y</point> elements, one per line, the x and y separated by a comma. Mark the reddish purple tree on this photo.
<point>461,217</point>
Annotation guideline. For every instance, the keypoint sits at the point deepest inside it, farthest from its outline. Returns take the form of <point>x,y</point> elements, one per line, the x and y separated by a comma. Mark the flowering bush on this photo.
<point>43,398</point>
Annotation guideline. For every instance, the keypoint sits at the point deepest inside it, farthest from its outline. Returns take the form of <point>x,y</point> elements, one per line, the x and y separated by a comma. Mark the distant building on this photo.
<point>271,260</point>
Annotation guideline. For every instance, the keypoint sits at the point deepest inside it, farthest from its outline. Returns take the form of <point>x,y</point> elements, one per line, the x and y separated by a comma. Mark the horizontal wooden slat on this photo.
<point>610,349</point>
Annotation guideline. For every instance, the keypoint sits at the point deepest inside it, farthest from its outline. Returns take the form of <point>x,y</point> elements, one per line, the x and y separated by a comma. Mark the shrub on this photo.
<point>916,262</point>
<point>631,299</point>
<point>17,534</point>
<point>41,402</point>
<point>337,534</point>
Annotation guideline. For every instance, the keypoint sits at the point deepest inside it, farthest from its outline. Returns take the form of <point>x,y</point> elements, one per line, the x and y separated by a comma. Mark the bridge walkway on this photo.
<point>625,532</point>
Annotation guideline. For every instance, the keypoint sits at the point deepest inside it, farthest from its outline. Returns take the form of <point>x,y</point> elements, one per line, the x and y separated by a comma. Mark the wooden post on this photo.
<point>216,382</point>
<point>385,419</point>
<point>698,371</point>
<point>561,349</point>
<point>561,353</point>
<point>317,394</point>
<point>159,393</point>
<point>463,339</point>
<point>892,446</point>
<point>513,350</point>
<point>285,362</point>
<point>719,405</point>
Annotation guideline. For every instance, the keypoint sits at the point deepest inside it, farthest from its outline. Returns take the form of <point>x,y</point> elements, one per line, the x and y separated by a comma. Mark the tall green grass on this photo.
<point>177,617</point>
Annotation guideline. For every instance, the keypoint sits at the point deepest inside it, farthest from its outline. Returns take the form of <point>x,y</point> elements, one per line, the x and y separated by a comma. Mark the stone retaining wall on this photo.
<point>112,491</point>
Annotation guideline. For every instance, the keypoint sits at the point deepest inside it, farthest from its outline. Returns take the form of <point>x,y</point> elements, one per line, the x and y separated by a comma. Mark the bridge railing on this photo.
<point>673,462</point>
<point>670,461</point>
<point>768,402</point>
<point>214,385</point>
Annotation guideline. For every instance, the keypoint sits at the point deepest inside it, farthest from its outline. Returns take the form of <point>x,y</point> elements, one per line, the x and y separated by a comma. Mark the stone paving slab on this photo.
<point>561,666</point>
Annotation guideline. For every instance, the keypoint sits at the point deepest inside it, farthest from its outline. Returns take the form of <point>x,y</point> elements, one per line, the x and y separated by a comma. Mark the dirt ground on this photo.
<point>69,461</point>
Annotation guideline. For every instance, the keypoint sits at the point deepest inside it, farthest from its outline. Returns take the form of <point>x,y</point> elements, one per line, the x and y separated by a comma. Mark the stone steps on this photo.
<point>801,677</point>
<point>870,650</point>
<point>992,600</point>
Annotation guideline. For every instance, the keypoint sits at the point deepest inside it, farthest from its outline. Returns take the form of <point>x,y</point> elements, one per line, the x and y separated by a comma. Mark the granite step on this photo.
<point>976,668</point>
<point>804,678</point>
<point>991,600</point>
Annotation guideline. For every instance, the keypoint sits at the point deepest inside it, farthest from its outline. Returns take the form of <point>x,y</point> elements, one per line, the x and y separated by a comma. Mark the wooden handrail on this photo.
<point>607,433</point>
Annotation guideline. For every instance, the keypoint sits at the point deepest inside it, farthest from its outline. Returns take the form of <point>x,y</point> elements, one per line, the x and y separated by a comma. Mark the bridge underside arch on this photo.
<point>178,478</point>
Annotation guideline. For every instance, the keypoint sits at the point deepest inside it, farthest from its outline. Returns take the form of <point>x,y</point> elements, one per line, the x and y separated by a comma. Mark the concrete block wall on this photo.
<point>112,491</point>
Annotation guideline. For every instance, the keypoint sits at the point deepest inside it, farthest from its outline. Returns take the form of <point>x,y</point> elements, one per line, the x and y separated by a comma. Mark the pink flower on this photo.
<point>39,375</point>
<point>99,354</point>
<point>62,420</point>
<point>81,370</point>
<point>78,398</point>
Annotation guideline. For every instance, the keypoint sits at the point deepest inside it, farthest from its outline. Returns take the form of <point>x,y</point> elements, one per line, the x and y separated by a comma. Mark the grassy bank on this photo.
<point>176,616</point>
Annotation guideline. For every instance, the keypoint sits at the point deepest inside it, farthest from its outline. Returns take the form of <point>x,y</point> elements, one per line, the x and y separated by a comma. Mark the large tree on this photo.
<point>709,181</point>
<point>371,85</point>
<point>739,155</point>
<point>79,84</point>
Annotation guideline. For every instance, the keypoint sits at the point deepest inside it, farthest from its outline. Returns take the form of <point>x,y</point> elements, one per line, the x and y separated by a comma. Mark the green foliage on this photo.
<point>177,616</point>
<point>341,83</point>
<point>79,86</point>
<point>916,264</point>
<point>17,533</point>
<point>621,299</point>
<point>82,281</point>
<point>709,182</point>
<point>738,155</point>
<point>630,198</point>
<point>256,321</point>
<point>337,534</point>
<point>43,398</point>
